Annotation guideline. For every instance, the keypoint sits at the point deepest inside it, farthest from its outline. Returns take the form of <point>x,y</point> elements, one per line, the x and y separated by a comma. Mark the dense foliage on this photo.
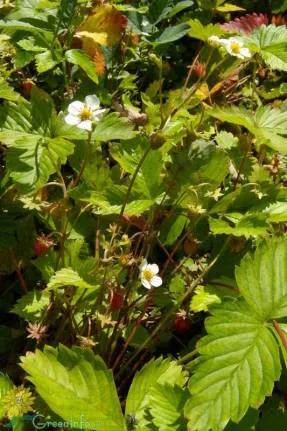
<point>143,252</point>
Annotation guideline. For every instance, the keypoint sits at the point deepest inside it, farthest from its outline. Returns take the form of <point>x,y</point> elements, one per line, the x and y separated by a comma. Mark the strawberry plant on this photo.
<point>143,215</point>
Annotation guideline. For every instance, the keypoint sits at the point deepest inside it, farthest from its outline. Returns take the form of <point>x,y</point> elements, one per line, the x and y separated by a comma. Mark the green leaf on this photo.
<point>47,60</point>
<point>203,32</point>
<point>66,12</point>
<point>76,384</point>
<point>262,279</point>
<point>158,10</point>
<point>267,125</point>
<point>228,7</point>
<point>174,227</point>
<point>128,154</point>
<point>155,372</point>
<point>78,57</point>
<point>271,43</point>
<point>7,92</point>
<point>166,407</point>
<point>277,212</point>
<point>253,224</point>
<point>171,34</point>
<point>180,6</point>
<point>110,200</point>
<point>32,160</point>
<point>68,277</point>
<point>202,299</point>
<point>31,156</point>
<point>238,365</point>
<point>208,164</point>
<point>113,127</point>
<point>5,385</point>
<point>15,25</point>
<point>31,306</point>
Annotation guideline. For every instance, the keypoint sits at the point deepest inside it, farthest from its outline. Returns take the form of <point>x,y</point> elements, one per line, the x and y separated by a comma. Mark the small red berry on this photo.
<point>199,70</point>
<point>182,323</point>
<point>116,299</point>
<point>42,245</point>
<point>27,86</point>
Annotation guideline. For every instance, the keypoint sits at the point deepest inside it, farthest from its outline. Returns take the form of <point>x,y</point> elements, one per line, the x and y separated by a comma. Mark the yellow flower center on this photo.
<point>235,46</point>
<point>148,274</point>
<point>86,114</point>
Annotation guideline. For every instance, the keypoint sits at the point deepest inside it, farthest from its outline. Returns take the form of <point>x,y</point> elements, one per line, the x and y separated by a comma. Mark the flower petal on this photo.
<point>86,125</point>
<point>76,107</point>
<point>245,52</point>
<point>92,102</point>
<point>154,268</point>
<point>143,265</point>
<point>156,281</point>
<point>72,120</point>
<point>146,283</point>
<point>97,115</point>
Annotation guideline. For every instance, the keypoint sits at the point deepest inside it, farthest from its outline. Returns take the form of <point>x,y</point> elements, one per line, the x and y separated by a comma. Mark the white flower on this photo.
<point>83,115</point>
<point>235,47</point>
<point>148,275</point>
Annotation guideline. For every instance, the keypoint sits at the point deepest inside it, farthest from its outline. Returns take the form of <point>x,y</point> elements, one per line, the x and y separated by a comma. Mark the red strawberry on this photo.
<point>27,86</point>
<point>182,323</point>
<point>116,299</point>
<point>42,245</point>
<point>199,70</point>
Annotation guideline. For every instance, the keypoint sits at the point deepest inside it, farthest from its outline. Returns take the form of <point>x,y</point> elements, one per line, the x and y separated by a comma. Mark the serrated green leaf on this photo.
<point>113,127</point>
<point>166,407</point>
<point>76,384</point>
<point>128,154</point>
<point>238,366</point>
<point>267,125</point>
<point>157,371</point>
<point>7,92</point>
<point>202,299</point>
<point>31,306</point>
<point>203,32</point>
<point>277,212</point>
<point>262,279</point>
<point>271,42</point>
<point>5,385</point>
<point>68,277</point>
<point>47,60</point>
<point>31,156</point>
<point>248,225</point>
<point>171,34</point>
<point>78,57</point>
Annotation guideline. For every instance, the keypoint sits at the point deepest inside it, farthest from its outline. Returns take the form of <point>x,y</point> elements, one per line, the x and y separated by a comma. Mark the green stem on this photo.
<point>86,158</point>
<point>186,358</point>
